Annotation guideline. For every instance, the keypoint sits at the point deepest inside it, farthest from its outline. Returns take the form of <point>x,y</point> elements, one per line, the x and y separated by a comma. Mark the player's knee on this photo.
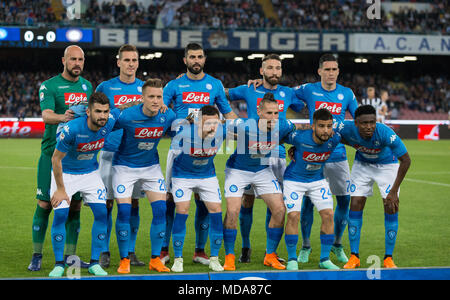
<point>293,217</point>
<point>44,204</point>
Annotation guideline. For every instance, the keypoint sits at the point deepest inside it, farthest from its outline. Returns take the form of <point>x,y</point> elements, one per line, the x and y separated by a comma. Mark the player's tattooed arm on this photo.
<point>60,193</point>
<point>391,203</point>
<point>50,117</point>
<point>231,115</point>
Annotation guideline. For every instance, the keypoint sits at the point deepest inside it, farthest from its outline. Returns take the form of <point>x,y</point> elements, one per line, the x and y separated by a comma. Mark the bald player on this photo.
<point>56,95</point>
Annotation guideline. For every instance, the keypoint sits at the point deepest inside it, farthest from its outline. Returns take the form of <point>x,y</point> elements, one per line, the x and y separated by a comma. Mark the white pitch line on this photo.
<point>428,182</point>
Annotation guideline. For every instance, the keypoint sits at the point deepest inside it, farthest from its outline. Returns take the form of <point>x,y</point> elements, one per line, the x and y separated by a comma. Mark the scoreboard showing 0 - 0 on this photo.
<point>34,37</point>
<point>31,35</point>
<point>59,37</point>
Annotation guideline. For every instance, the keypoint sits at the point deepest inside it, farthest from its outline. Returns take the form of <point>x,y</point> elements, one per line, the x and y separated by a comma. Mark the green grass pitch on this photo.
<point>423,237</point>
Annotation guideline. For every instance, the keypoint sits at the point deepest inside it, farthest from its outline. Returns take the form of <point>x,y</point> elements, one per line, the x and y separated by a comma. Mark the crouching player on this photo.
<point>193,172</point>
<point>136,162</point>
<point>75,169</point>
<point>376,160</point>
<point>304,177</point>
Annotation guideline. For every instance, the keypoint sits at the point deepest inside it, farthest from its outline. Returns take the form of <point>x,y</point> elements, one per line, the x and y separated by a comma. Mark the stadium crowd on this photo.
<point>19,90</point>
<point>231,14</point>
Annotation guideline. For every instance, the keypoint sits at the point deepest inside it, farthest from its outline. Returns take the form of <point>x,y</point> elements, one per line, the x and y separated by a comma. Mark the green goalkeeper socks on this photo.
<point>72,231</point>
<point>40,223</point>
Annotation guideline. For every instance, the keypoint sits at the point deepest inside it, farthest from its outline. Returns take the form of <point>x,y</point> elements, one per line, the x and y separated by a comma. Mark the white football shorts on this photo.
<point>148,179</point>
<point>105,166</point>
<point>364,175</point>
<point>278,166</point>
<point>338,176</point>
<point>263,182</point>
<point>317,191</point>
<point>207,188</point>
<point>89,185</point>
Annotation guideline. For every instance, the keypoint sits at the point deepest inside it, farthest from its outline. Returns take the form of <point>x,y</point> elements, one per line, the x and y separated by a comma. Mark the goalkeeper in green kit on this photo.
<point>62,98</point>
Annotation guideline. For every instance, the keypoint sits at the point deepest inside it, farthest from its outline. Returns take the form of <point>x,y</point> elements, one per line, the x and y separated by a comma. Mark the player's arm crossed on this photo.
<point>60,193</point>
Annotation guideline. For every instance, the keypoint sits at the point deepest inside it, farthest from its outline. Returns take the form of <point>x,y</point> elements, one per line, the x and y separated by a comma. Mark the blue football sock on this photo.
<point>98,232</point>
<point>326,241</point>
<point>179,233</point>
<point>245,222</point>
<point>158,226</point>
<point>170,214</point>
<point>291,245</point>
<point>341,217</point>
<point>215,233</point>
<point>58,233</point>
<point>306,220</point>
<point>391,229</point>
<point>108,228</point>
<point>229,239</point>
<point>135,220</point>
<point>201,225</point>
<point>123,228</point>
<point>354,229</point>
<point>273,239</point>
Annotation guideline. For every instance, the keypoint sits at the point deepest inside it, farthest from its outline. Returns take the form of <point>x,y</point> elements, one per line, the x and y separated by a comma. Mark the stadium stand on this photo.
<point>331,15</point>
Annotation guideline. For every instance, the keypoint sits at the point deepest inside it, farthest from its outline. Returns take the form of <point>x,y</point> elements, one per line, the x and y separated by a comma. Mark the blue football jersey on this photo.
<point>338,102</point>
<point>196,159</point>
<point>254,145</point>
<point>383,148</point>
<point>141,135</point>
<point>82,144</point>
<point>189,95</point>
<point>119,93</point>
<point>310,157</point>
<point>284,95</point>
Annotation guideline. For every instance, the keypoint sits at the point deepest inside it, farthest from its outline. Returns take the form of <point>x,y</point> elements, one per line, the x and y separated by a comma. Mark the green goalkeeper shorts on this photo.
<point>44,175</point>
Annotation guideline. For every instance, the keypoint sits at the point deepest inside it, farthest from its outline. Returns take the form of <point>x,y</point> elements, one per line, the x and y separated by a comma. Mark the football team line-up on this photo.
<point>123,121</point>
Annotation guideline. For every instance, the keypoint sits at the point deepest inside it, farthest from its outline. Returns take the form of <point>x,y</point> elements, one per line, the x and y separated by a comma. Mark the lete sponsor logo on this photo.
<point>21,129</point>
<point>124,99</point>
<point>334,108</point>
<point>367,150</point>
<point>316,157</point>
<point>263,146</point>
<point>196,97</point>
<point>280,104</point>
<point>91,146</point>
<point>148,132</point>
<point>75,98</point>
<point>199,152</point>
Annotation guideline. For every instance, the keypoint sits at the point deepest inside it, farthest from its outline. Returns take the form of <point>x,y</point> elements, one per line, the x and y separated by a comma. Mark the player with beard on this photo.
<point>56,95</point>
<point>75,169</point>
<point>304,177</point>
<point>188,94</point>
<point>271,71</point>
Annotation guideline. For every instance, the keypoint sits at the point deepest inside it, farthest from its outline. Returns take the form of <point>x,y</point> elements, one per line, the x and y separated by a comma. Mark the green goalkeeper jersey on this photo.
<point>58,94</point>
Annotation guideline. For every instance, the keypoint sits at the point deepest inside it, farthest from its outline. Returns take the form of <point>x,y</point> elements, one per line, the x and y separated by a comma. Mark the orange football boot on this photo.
<point>124,267</point>
<point>229,262</point>
<point>353,262</point>
<point>157,264</point>
<point>389,263</point>
<point>271,260</point>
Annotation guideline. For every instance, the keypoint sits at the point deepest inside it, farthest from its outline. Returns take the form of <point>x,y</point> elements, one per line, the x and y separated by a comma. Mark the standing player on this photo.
<point>56,95</point>
<point>188,94</point>
<point>124,89</point>
<point>75,169</point>
<point>271,71</point>
<point>338,100</point>
<point>304,177</point>
<point>136,162</point>
<point>376,160</point>
<point>193,171</point>
<point>383,112</point>
<point>249,165</point>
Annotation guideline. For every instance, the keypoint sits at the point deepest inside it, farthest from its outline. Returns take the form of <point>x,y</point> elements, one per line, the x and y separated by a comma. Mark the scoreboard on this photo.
<point>45,37</point>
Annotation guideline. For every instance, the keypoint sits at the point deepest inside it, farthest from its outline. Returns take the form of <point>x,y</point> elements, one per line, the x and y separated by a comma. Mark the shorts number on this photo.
<point>101,194</point>
<point>388,190</point>
<point>348,185</point>
<point>323,191</point>
<point>276,184</point>
<point>162,184</point>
